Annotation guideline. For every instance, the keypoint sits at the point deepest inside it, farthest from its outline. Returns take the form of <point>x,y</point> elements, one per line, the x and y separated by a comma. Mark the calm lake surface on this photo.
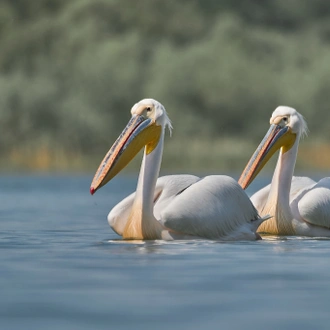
<point>62,267</point>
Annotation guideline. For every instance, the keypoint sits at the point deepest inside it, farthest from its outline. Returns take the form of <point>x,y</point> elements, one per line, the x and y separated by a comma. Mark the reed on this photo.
<point>186,155</point>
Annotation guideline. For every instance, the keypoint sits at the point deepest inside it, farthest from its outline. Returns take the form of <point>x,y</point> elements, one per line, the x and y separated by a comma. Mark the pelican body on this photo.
<point>174,206</point>
<point>299,205</point>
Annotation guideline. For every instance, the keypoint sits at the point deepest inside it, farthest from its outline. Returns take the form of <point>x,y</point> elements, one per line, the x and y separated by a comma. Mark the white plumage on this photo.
<point>299,205</point>
<point>174,206</point>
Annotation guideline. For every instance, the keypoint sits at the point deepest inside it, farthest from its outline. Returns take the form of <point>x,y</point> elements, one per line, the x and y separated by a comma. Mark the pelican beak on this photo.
<point>139,132</point>
<point>277,137</point>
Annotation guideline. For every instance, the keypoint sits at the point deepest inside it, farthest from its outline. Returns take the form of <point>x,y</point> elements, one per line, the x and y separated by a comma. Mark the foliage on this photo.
<point>71,70</point>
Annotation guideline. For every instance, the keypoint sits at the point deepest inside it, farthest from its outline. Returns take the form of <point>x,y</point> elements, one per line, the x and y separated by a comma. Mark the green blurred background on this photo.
<point>72,69</point>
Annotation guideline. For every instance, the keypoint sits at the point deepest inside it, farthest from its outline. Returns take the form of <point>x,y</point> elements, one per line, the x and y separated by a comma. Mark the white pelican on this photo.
<point>300,207</point>
<point>176,206</point>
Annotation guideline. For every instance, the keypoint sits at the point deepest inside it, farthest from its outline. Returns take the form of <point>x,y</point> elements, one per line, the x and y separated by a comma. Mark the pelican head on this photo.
<point>149,118</point>
<point>287,126</point>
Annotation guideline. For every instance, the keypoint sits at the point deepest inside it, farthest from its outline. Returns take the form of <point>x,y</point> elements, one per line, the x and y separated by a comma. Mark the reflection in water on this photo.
<point>276,243</point>
<point>154,246</point>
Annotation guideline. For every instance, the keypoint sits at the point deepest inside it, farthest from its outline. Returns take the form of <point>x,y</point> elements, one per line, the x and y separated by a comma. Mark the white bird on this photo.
<point>175,206</point>
<point>299,205</point>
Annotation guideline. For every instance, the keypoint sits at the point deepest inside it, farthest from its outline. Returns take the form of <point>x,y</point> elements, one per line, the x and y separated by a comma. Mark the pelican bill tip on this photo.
<point>92,190</point>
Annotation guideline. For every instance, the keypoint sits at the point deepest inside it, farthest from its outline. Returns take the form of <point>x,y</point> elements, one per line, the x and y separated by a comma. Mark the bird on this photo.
<point>174,207</point>
<point>298,205</point>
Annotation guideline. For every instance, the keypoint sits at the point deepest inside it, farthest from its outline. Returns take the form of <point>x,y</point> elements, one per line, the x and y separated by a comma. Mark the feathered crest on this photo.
<point>304,128</point>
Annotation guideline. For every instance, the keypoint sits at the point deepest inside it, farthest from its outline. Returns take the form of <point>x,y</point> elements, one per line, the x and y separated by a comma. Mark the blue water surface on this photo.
<point>62,267</point>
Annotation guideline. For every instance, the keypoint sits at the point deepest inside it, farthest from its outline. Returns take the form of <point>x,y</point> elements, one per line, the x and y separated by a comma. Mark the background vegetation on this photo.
<point>70,70</point>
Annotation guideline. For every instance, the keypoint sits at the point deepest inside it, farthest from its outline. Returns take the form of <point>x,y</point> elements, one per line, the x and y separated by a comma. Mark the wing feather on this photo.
<point>314,206</point>
<point>213,207</point>
<point>298,185</point>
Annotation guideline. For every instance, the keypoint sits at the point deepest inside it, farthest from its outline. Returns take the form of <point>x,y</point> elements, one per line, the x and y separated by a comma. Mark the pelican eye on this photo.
<point>148,109</point>
<point>285,119</point>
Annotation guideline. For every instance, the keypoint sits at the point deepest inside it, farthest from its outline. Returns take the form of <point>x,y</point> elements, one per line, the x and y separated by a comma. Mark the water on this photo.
<point>63,268</point>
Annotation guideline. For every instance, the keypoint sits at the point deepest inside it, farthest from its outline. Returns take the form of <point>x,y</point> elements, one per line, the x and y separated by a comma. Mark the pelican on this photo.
<point>299,205</point>
<point>175,206</point>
